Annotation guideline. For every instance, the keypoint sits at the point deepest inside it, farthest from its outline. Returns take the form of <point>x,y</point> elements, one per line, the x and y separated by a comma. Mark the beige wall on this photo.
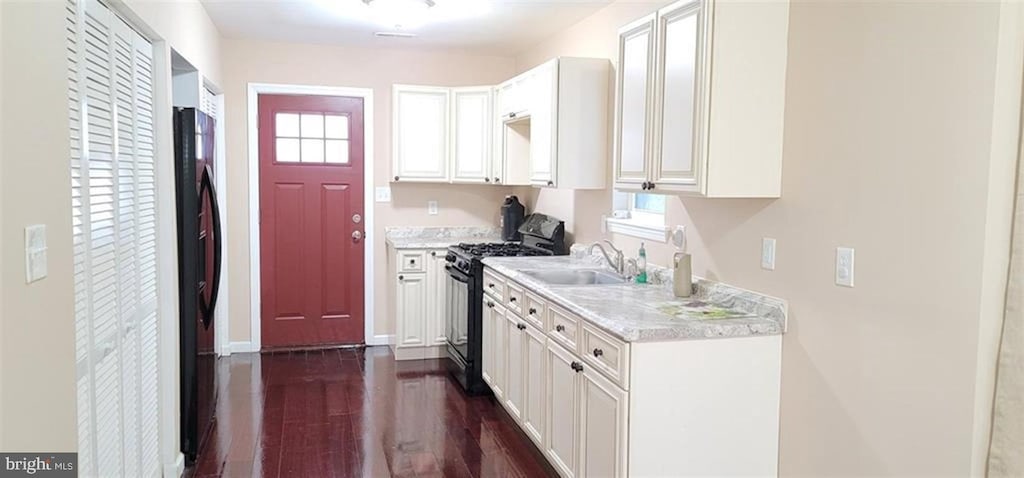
<point>185,26</point>
<point>892,146</point>
<point>258,62</point>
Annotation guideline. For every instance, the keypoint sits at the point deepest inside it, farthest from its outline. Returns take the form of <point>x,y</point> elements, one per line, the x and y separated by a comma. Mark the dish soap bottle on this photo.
<point>641,265</point>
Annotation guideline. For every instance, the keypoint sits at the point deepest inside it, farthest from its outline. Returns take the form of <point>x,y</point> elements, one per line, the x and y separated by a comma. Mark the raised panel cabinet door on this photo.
<point>487,326</point>
<point>514,380</point>
<point>471,134</point>
<point>534,390</point>
<point>542,95</point>
<point>438,287</point>
<point>602,426</point>
<point>411,310</point>
<point>561,411</point>
<point>680,106</point>
<point>633,101</point>
<point>420,134</point>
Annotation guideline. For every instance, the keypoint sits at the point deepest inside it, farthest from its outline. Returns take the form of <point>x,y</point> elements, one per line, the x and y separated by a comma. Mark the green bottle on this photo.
<point>641,264</point>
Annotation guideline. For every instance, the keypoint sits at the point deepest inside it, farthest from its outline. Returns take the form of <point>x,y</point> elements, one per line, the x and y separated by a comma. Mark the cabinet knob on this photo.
<point>511,115</point>
<point>396,178</point>
<point>533,311</point>
<point>401,277</point>
<point>412,261</point>
<point>551,183</point>
<point>511,299</point>
<point>490,286</point>
<point>487,180</point>
<point>433,253</point>
<point>650,185</point>
<point>497,179</point>
<point>521,326</point>
<point>490,304</point>
<point>559,328</point>
<point>643,185</point>
<point>598,352</point>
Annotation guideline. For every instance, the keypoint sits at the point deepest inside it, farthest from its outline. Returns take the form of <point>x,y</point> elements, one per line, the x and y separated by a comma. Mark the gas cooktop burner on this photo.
<point>500,249</point>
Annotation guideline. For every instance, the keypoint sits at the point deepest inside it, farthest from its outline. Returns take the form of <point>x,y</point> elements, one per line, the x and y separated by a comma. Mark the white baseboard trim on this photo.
<point>381,340</point>
<point>176,469</point>
<point>242,347</point>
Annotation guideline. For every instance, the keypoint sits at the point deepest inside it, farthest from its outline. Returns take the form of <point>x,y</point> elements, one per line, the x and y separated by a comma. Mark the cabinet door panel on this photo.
<point>487,357</point>
<point>542,87</point>
<point>602,430</point>
<point>535,392</point>
<point>471,136</point>
<point>633,100</point>
<point>420,132</point>
<point>412,309</point>
<point>561,411</point>
<point>499,357</point>
<point>514,386</point>
<point>439,293</point>
<point>679,90</point>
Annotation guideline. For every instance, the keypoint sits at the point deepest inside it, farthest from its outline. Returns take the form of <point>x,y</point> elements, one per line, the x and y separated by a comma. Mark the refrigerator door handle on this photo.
<point>206,187</point>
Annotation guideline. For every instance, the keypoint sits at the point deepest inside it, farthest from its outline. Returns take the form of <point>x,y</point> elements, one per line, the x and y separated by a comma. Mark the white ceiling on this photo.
<point>509,27</point>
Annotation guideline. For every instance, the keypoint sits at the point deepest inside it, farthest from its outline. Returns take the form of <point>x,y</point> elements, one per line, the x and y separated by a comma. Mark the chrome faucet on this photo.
<point>619,263</point>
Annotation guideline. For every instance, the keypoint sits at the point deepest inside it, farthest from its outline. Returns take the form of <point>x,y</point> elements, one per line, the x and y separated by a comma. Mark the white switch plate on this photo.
<point>35,253</point>
<point>382,194</point>
<point>432,208</point>
<point>844,266</point>
<point>768,253</point>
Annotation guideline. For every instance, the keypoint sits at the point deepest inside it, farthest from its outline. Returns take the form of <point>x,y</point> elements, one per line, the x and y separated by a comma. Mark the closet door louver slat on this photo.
<point>110,102</point>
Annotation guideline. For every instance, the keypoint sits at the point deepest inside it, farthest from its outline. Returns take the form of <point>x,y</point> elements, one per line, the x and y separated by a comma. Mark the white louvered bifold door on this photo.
<point>114,213</point>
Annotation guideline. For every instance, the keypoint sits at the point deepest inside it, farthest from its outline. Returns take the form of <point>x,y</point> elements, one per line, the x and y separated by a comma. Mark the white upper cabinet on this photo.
<point>636,56</point>
<point>420,133</point>
<point>512,98</point>
<point>471,134</point>
<point>711,78</point>
<point>542,85</point>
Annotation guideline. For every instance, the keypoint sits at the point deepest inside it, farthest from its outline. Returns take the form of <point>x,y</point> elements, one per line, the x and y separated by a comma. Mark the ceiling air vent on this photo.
<point>395,34</point>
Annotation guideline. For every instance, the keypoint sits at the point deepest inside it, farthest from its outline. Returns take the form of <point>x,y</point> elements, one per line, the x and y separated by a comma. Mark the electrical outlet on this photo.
<point>432,208</point>
<point>382,194</point>
<point>844,266</point>
<point>35,253</point>
<point>768,253</point>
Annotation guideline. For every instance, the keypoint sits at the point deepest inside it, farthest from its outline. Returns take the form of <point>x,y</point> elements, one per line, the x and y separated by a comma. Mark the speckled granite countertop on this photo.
<point>438,237</point>
<point>650,312</point>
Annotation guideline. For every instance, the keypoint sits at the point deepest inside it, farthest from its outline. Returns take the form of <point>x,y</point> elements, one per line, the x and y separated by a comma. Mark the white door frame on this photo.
<point>256,89</point>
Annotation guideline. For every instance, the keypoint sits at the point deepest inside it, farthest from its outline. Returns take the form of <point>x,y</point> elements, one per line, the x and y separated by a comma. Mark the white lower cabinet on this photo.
<point>421,291</point>
<point>597,406</point>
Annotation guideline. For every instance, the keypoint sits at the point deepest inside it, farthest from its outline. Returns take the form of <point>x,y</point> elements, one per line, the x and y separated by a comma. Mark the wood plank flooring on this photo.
<point>357,413</point>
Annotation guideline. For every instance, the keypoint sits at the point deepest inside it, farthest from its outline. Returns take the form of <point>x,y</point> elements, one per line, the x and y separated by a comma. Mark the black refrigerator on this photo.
<point>199,272</point>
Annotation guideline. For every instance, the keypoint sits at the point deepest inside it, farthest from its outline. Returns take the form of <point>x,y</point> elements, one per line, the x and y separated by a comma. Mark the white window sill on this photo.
<point>632,227</point>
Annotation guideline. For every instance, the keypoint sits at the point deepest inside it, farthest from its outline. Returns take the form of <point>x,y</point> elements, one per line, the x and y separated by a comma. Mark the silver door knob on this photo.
<point>356,218</point>
<point>357,235</point>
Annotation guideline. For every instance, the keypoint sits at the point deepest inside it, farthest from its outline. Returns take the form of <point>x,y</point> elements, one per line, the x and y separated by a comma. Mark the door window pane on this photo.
<point>337,151</point>
<point>336,126</point>
<point>312,126</point>
<point>287,150</point>
<point>312,150</point>
<point>286,124</point>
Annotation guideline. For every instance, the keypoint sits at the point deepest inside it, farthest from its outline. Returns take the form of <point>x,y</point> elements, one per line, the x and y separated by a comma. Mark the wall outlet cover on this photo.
<point>432,208</point>
<point>844,266</point>
<point>382,194</point>
<point>768,253</point>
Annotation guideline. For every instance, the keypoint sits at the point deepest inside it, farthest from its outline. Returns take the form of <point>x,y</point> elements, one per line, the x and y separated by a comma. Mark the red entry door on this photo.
<point>311,220</point>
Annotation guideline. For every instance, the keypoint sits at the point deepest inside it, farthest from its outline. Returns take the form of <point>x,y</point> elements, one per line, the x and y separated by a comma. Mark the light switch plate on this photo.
<point>382,194</point>
<point>35,253</point>
<point>432,208</point>
<point>844,266</point>
<point>768,253</point>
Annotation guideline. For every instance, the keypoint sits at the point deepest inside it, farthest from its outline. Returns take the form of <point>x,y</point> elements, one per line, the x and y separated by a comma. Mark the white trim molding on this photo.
<point>254,90</point>
<point>383,339</point>
<point>241,348</point>
<point>639,229</point>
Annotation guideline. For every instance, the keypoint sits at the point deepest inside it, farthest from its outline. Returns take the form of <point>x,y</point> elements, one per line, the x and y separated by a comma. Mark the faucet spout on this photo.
<point>618,263</point>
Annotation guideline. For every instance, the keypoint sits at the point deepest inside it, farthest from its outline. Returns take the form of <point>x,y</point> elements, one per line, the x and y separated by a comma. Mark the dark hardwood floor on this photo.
<point>357,413</point>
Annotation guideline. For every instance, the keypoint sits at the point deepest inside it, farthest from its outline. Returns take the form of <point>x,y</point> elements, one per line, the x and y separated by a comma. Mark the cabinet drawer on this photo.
<point>535,310</point>
<point>606,353</point>
<point>411,261</point>
<point>563,327</point>
<point>494,285</point>
<point>515,298</point>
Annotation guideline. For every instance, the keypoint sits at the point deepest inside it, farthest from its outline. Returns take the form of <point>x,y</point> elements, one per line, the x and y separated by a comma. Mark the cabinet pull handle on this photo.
<point>559,328</point>
<point>598,352</point>
<point>521,326</point>
<point>533,311</point>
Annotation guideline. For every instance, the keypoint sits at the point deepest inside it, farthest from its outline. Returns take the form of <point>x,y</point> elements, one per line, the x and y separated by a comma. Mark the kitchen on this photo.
<point>609,238</point>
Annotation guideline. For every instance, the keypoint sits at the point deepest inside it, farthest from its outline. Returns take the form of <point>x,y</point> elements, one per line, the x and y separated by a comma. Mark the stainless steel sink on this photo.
<point>575,277</point>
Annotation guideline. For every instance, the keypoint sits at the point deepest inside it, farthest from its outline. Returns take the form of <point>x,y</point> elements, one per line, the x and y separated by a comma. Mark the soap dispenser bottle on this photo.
<point>641,265</point>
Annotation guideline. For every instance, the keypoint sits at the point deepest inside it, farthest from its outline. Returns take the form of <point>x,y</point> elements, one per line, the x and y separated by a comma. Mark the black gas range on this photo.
<point>542,236</point>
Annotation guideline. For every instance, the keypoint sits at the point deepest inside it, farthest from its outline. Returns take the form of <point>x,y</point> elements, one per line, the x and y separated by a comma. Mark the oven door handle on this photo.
<point>456,274</point>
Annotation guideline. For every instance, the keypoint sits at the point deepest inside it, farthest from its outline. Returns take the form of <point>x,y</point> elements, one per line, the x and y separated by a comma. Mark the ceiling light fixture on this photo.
<point>395,34</point>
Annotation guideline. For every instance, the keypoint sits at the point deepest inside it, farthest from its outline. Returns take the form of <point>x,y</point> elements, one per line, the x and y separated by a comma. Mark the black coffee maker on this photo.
<point>512,215</point>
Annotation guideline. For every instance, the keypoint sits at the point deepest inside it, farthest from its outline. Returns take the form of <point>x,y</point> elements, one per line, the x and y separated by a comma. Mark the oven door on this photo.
<point>457,312</point>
